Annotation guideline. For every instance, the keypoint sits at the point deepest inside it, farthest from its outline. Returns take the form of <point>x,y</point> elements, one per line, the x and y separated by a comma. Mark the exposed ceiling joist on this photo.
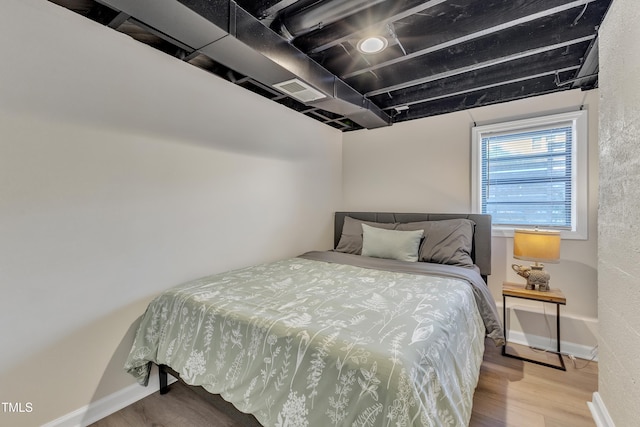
<point>472,36</point>
<point>398,9</point>
<point>479,88</point>
<point>478,66</point>
<point>441,55</point>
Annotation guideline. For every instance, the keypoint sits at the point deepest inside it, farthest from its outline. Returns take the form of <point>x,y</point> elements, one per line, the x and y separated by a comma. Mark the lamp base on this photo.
<point>535,275</point>
<point>538,276</point>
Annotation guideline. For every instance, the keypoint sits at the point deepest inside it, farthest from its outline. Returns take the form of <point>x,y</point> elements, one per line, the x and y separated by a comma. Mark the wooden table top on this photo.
<point>517,290</point>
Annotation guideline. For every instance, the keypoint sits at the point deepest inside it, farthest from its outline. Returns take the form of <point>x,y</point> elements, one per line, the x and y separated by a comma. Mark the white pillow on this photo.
<point>391,244</point>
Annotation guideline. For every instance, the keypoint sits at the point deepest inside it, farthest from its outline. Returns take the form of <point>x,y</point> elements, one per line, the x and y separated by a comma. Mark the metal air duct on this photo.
<point>229,35</point>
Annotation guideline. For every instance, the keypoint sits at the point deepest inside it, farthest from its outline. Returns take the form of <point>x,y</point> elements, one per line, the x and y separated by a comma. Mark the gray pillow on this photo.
<point>351,237</point>
<point>391,244</point>
<point>447,241</point>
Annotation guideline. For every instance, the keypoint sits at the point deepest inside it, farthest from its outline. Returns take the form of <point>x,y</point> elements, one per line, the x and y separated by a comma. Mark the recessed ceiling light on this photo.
<point>372,44</point>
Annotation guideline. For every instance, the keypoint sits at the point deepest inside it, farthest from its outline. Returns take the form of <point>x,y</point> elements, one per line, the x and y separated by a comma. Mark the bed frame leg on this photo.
<point>162,373</point>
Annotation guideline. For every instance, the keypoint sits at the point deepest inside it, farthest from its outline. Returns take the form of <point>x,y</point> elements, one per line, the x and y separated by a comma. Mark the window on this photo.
<point>532,173</point>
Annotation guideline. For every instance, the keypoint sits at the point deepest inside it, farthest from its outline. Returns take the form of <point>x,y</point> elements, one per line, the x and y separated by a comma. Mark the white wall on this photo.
<point>124,171</point>
<point>425,166</point>
<point>619,216</point>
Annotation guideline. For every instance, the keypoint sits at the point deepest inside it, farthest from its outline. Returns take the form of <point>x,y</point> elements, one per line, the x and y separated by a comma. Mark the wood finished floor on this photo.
<point>510,393</point>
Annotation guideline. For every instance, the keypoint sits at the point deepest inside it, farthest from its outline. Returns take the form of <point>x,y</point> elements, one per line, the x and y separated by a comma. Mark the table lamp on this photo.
<point>538,246</point>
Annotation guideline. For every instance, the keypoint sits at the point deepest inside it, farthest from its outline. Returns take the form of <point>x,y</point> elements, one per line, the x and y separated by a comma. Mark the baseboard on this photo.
<point>599,412</point>
<point>577,350</point>
<point>533,326</point>
<point>106,406</point>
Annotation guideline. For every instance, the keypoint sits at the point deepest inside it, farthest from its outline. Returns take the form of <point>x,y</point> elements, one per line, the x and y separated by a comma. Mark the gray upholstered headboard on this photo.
<point>481,252</point>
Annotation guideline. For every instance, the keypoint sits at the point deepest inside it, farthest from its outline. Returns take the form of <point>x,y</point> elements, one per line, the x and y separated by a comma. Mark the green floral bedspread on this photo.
<point>302,343</point>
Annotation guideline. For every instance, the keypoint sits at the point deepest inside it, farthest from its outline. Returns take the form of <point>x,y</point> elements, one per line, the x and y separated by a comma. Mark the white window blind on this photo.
<point>526,177</point>
<point>532,173</point>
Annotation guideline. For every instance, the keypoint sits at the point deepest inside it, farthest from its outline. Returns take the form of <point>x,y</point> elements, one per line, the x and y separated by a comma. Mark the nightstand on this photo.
<point>553,296</point>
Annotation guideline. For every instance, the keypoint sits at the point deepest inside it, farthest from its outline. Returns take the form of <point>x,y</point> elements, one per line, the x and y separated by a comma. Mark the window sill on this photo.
<point>501,231</point>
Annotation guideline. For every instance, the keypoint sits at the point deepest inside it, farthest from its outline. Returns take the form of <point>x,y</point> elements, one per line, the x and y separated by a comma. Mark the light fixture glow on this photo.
<point>372,44</point>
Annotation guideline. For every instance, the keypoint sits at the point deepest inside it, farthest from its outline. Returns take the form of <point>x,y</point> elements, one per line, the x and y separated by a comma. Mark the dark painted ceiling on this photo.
<point>442,55</point>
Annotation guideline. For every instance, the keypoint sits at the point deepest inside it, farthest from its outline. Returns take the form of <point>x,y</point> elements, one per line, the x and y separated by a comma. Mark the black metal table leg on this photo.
<point>561,367</point>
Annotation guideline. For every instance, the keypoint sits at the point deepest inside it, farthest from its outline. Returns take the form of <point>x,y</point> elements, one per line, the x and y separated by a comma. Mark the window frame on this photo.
<point>579,175</point>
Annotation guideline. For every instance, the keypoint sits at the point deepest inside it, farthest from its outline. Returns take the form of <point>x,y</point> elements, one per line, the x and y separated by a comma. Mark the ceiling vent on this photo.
<point>299,90</point>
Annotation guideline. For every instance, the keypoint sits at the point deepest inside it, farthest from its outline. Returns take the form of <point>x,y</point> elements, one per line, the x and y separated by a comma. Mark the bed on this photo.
<point>386,329</point>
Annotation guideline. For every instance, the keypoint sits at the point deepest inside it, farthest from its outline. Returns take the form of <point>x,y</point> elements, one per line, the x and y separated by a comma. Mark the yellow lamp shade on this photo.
<point>536,245</point>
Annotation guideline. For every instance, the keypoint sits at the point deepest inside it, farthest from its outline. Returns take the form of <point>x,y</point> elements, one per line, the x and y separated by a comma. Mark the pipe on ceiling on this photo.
<point>303,20</point>
<point>587,75</point>
<point>229,35</point>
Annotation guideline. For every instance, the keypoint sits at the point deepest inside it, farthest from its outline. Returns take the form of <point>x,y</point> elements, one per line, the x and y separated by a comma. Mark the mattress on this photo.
<point>327,339</point>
